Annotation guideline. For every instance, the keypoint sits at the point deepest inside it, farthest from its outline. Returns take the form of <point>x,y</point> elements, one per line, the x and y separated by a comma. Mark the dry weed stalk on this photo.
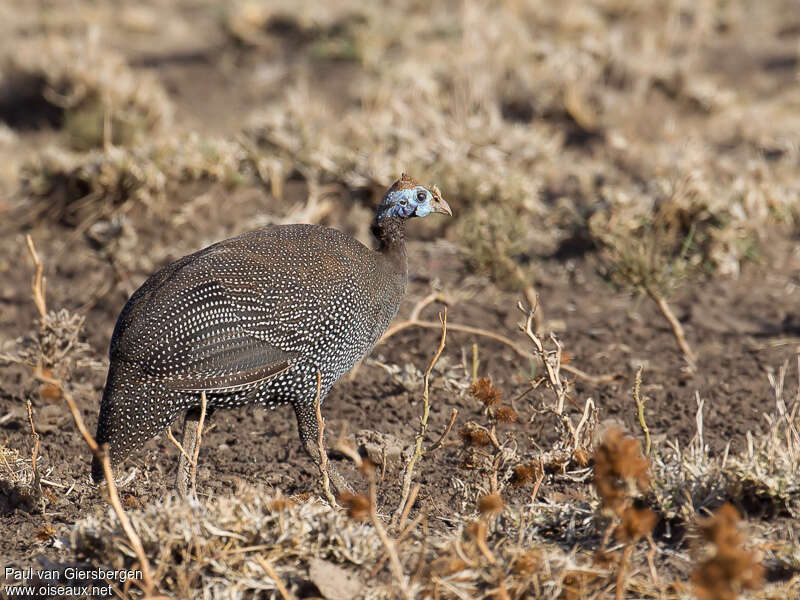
<point>325,481</point>
<point>187,465</point>
<point>359,507</point>
<point>36,484</point>
<point>476,436</point>
<point>640,401</point>
<point>675,324</point>
<point>550,360</point>
<point>38,284</point>
<point>414,320</point>
<point>577,440</point>
<point>408,471</point>
<point>198,442</point>
<point>272,574</point>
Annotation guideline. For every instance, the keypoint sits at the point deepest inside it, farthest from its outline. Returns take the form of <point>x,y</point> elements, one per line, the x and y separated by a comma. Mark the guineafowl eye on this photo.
<point>421,195</point>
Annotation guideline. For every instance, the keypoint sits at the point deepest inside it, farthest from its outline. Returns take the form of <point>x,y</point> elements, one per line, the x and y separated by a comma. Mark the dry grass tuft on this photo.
<point>78,189</point>
<point>88,91</point>
<point>197,548</point>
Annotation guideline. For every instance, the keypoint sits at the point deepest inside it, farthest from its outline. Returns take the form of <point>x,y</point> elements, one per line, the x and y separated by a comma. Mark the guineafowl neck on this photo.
<point>391,235</point>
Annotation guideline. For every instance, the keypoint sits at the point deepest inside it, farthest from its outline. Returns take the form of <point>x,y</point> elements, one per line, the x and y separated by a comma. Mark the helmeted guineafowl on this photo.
<point>253,319</point>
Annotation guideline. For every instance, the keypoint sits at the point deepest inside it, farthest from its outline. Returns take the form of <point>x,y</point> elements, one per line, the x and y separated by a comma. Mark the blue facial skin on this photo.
<point>415,202</point>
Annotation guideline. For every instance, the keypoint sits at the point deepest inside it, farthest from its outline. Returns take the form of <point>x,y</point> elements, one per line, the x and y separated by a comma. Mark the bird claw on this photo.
<point>338,483</point>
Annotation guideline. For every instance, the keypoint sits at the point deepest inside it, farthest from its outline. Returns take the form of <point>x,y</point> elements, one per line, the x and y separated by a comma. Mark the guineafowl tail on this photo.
<point>97,470</point>
<point>103,428</point>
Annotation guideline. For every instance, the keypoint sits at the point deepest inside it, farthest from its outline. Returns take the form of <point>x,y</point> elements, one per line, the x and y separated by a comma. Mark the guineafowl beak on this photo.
<point>438,204</point>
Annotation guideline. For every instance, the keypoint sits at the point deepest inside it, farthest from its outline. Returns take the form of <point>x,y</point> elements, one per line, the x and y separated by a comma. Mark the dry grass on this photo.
<point>87,90</point>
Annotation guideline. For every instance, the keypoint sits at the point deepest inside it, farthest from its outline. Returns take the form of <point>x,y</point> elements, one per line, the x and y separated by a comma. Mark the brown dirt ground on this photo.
<point>740,328</point>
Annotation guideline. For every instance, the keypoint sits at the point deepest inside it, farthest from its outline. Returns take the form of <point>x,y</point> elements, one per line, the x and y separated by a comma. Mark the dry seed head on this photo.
<point>581,457</point>
<point>49,392</point>
<point>473,434</point>
<point>721,529</point>
<point>618,467</point>
<point>131,501</point>
<point>528,563</point>
<point>490,504</point>
<point>636,524</point>
<point>45,533</point>
<point>731,568</point>
<point>483,391</point>
<point>447,565</point>
<point>522,474</point>
<point>357,506</point>
<point>506,414</point>
<point>280,504</point>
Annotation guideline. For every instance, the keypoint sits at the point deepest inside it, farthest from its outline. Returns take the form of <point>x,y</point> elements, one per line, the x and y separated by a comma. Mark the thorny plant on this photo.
<point>576,440</point>
<point>483,451</point>
<point>56,345</point>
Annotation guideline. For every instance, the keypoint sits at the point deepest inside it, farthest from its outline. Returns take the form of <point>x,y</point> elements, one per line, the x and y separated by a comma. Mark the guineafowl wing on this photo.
<point>189,334</point>
<point>230,364</point>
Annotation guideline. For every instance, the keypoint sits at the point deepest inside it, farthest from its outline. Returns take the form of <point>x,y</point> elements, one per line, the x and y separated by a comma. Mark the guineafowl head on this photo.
<point>407,198</point>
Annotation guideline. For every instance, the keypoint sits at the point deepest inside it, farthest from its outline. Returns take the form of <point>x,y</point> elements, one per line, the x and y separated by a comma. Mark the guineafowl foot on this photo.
<point>338,483</point>
<point>308,428</point>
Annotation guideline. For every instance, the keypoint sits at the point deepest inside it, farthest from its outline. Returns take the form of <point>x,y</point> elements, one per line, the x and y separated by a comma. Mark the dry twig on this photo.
<point>323,455</point>
<point>196,453</point>
<point>552,367</point>
<point>438,443</point>
<point>637,385</point>
<point>36,485</point>
<point>272,574</point>
<point>677,328</point>
<point>39,282</point>
<point>414,321</point>
<point>408,472</point>
<point>388,543</point>
<point>178,445</point>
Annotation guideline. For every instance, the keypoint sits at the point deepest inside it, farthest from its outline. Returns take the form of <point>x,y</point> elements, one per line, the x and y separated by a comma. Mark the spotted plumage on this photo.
<point>253,319</point>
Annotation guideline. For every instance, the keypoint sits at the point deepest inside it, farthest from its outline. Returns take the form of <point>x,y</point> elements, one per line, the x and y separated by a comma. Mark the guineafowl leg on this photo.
<point>183,482</point>
<point>309,433</point>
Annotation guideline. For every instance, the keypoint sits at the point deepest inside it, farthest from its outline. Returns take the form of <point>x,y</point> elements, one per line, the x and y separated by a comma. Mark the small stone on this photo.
<point>333,582</point>
<point>376,445</point>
